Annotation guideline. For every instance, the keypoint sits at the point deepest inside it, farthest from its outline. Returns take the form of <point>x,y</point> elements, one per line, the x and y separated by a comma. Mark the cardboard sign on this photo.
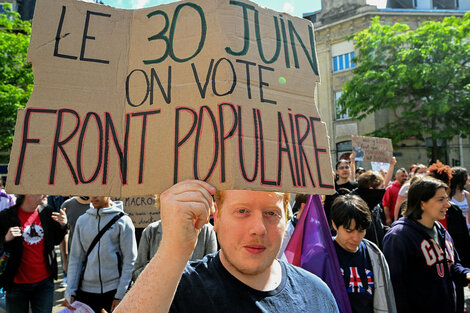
<point>143,210</point>
<point>129,102</point>
<point>372,149</point>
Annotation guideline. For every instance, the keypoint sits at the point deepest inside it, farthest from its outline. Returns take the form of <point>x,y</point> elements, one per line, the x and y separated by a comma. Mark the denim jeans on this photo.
<point>40,295</point>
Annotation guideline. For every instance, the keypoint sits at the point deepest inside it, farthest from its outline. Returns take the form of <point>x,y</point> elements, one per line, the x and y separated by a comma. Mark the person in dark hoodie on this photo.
<point>424,265</point>
<point>108,271</point>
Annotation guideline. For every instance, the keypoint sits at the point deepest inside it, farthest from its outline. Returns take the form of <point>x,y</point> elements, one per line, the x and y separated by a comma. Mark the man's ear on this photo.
<point>334,226</point>
<point>215,215</point>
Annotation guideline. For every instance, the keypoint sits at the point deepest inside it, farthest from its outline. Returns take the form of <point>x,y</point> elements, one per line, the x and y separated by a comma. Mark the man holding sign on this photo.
<point>244,276</point>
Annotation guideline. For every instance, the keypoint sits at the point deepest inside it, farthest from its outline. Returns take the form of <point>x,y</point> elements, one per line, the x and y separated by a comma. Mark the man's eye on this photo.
<point>242,211</point>
<point>272,214</point>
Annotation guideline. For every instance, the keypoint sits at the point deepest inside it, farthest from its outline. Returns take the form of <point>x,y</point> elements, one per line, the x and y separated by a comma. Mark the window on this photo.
<point>343,62</point>
<point>339,107</point>
<point>445,4</point>
<point>343,149</point>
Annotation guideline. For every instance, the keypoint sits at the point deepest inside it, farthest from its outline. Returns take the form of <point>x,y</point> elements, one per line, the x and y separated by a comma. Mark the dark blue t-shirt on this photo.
<point>206,286</point>
<point>358,277</point>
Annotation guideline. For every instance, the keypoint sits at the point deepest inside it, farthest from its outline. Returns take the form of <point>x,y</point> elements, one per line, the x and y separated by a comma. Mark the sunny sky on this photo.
<point>294,7</point>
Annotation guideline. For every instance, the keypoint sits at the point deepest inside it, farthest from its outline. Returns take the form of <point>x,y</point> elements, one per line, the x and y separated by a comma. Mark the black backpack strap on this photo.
<point>101,233</point>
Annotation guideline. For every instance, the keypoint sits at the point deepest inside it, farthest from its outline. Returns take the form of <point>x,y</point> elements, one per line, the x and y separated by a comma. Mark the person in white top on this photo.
<point>459,195</point>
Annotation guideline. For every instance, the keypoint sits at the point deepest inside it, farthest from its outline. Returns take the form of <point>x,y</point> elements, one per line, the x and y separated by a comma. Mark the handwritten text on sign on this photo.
<point>373,148</point>
<point>130,102</point>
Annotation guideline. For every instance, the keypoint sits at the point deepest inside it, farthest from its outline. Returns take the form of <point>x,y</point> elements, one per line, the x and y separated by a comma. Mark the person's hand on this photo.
<point>60,217</point>
<point>468,278</point>
<point>113,305</point>
<point>12,233</point>
<point>184,209</point>
<point>352,156</point>
<point>68,305</point>
<point>388,221</point>
<point>393,161</point>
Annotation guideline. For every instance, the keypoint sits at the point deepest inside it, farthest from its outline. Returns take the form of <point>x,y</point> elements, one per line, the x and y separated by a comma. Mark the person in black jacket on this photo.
<point>28,233</point>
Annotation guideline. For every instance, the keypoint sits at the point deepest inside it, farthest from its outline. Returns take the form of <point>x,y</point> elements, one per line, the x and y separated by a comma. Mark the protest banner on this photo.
<point>372,149</point>
<point>143,210</point>
<point>129,102</point>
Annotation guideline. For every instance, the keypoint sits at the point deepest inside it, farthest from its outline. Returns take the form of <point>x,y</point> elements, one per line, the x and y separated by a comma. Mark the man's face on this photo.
<point>349,238</point>
<point>421,171</point>
<point>343,170</point>
<point>100,202</point>
<point>401,177</point>
<point>250,226</point>
<point>36,200</point>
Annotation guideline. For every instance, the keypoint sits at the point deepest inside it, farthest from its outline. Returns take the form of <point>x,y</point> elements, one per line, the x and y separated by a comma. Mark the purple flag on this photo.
<point>311,247</point>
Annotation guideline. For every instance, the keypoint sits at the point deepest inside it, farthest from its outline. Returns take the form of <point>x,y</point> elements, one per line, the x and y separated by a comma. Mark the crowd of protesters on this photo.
<point>403,245</point>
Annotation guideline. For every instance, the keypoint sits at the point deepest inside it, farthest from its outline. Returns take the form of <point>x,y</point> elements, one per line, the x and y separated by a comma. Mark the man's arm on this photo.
<point>352,164</point>
<point>391,168</point>
<point>143,254</point>
<point>184,209</point>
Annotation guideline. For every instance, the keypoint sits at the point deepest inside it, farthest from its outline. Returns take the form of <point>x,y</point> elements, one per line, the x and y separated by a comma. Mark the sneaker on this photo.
<point>64,283</point>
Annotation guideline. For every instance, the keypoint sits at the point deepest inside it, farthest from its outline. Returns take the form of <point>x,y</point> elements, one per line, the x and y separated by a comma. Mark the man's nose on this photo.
<point>257,224</point>
<point>356,236</point>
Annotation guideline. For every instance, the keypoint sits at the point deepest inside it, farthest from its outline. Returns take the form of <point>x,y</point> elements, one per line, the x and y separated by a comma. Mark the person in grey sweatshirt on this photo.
<point>152,236</point>
<point>109,266</point>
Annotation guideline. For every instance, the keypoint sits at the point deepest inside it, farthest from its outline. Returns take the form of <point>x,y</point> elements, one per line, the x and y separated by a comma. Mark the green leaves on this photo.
<point>422,73</point>
<point>16,76</point>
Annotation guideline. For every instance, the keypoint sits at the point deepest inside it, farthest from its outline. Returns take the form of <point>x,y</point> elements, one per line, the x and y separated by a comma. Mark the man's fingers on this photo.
<point>194,185</point>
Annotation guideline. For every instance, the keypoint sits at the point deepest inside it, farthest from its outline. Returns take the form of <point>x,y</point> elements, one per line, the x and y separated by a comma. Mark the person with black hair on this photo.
<point>344,170</point>
<point>424,266</point>
<point>365,270</point>
<point>343,175</point>
<point>29,230</point>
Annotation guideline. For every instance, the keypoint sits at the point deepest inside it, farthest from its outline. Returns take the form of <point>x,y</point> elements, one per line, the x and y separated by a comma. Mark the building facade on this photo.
<point>339,19</point>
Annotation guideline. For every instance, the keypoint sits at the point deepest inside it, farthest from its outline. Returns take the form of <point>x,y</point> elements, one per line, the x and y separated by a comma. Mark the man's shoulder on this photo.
<point>310,290</point>
<point>298,275</point>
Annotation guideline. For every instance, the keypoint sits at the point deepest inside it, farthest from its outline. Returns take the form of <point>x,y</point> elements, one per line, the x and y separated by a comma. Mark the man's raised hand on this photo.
<point>184,209</point>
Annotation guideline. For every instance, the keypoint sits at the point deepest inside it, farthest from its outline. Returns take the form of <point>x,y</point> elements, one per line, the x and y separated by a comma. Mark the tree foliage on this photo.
<point>423,74</point>
<point>16,76</point>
